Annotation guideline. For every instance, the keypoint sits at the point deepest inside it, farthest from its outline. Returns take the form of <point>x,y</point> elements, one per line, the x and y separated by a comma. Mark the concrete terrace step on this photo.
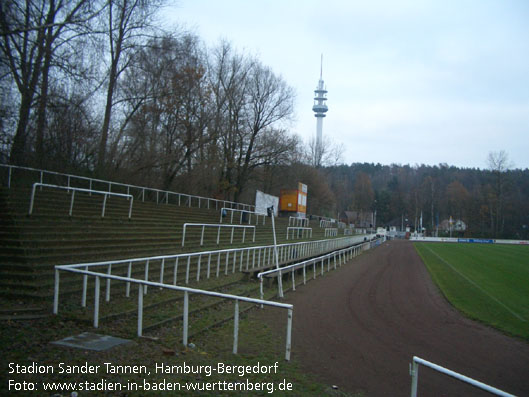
<point>32,245</point>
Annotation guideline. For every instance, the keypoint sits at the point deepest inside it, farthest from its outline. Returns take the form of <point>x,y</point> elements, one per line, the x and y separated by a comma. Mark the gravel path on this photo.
<point>359,327</point>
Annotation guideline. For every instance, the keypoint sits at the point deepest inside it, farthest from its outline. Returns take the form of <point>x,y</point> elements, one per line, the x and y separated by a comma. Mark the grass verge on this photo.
<point>261,346</point>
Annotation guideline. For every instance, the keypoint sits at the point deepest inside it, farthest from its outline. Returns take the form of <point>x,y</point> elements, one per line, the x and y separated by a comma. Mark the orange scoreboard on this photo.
<point>294,200</point>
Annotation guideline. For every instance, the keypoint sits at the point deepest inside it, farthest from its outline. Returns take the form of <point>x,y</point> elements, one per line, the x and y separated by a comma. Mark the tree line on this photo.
<point>492,202</point>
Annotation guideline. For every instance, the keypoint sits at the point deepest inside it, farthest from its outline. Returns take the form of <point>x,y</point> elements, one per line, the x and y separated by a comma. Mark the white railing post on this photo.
<point>261,291</point>
<point>107,292</point>
<point>85,286</point>
<point>129,273</point>
<point>71,203</point>
<point>236,327</point>
<point>187,269</point>
<point>414,372</point>
<point>56,292</point>
<point>130,206</point>
<point>146,276</point>
<point>162,270</point>
<point>32,199</point>
<point>140,310</point>
<point>198,267</point>
<point>289,335</point>
<point>104,206</point>
<point>186,317</point>
<point>96,303</point>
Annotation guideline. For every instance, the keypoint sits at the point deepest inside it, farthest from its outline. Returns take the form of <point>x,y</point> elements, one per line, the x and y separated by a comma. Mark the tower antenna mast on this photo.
<point>319,108</point>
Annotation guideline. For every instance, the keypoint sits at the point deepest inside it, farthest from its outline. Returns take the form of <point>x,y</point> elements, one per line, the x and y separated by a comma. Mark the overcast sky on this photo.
<point>409,81</point>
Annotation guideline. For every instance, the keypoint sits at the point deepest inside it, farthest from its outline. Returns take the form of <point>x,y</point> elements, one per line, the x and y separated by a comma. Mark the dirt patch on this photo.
<point>359,327</point>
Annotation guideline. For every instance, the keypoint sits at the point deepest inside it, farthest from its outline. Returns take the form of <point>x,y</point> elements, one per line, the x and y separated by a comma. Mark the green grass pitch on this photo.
<point>487,282</point>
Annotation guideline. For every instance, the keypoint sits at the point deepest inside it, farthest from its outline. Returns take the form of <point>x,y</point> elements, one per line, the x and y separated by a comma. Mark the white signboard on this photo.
<point>264,201</point>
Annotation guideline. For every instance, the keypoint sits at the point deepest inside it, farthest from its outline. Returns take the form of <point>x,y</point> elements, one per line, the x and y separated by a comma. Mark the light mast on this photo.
<point>319,108</point>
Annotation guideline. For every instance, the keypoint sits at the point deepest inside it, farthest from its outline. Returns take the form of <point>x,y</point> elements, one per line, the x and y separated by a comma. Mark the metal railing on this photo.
<point>157,195</point>
<point>218,226</point>
<point>331,232</point>
<point>341,254</point>
<point>296,221</point>
<point>232,259</point>
<point>76,189</point>
<point>142,285</point>
<point>299,229</point>
<point>224,210</point>
<point>414,372</point>
<point>327,224</point>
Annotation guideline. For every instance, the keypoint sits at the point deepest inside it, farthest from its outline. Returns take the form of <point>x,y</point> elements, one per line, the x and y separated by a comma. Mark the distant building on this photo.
<point>457,225</point>
<point>360,219</point>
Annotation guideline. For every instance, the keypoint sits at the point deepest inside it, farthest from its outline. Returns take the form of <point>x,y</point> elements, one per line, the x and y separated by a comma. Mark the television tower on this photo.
<point>319,109</point>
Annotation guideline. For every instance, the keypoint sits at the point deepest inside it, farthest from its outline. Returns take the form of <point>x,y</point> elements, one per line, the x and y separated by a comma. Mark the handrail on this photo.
<point>250,213</point>
<point>204,225</point>
<point>74,189</point>
<point>297,221</point>
<point>331,232</point>
<point>294,228</point>
<point>342,254</point>
<point>249,257</point>
<point>414,372</point>
<point>110,184</point>
<point>142,284</point>
<point>326,224</point>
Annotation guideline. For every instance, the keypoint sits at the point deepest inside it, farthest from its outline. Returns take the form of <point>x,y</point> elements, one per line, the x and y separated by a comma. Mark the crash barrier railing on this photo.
<point>299,231</point>
<point>327,224</point>
<point>244,214</point>
<point>76,189</point>
<point>331,232</point>
<point>414,372</point>
<point>295,221</point>
<point>143,193</point>
<point>231,259</point>
<point>342,255</point>
<point>142,285</point>
<point>218,226</point>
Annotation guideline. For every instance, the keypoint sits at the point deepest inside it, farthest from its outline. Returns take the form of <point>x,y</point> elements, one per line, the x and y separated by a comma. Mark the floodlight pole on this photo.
<point>276,255</point>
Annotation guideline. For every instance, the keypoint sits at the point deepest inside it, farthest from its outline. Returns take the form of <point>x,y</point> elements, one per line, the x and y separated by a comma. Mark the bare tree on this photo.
<point>126,24</point>
<point>252,105</point>
<point>31,33</point>
<point>169,107</point>
<point>499,163</point>
<point>329,154</point>
<point>270,103</point>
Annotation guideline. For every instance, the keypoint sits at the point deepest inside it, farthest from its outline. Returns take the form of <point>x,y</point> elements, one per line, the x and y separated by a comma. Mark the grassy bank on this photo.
<point>258,369</point>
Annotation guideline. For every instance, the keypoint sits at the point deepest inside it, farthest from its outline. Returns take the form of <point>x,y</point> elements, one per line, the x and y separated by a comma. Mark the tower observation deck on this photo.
<point>319,108</point>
